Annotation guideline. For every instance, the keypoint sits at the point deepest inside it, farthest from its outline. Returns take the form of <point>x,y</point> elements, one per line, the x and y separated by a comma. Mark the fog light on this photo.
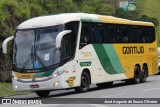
<point>15,86</point>
<point>55,84</point>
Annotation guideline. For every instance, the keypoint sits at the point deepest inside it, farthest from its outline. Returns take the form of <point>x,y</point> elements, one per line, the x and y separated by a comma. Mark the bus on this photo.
<point>76,50</point>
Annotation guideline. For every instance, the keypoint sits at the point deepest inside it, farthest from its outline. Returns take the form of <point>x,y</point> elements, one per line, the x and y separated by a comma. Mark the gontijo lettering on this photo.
<point>133,50</point>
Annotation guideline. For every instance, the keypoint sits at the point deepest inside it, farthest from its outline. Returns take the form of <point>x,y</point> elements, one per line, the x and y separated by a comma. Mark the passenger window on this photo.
<point>85,37</point>
<point>66,48</point>
<point>98,33</point>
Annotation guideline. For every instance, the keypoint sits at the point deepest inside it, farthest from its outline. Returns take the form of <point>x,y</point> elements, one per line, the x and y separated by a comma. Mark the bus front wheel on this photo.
<point>85,82</point>
<point>42,93</point>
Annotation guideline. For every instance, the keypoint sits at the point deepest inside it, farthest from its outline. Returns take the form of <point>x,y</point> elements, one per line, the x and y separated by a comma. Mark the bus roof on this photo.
<point>52,20</point>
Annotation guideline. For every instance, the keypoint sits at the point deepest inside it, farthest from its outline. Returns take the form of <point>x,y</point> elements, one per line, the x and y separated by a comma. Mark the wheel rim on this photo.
<point>84,82</point>
<point>144,75</point>
<point>137,76</point>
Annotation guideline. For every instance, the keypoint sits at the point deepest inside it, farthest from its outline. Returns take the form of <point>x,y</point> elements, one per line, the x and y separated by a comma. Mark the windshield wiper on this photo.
<point>31,56</point>
<point>40,60</point>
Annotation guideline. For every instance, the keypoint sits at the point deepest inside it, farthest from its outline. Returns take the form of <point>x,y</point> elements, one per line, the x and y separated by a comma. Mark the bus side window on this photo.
<point>135,34</point>
<point>66,48</point>
<point>124,34</point>
<point>142,34</point>
<point>85,38</point>
<point>111,34</point>
<point>74,27</point>
<point>150,34</point>
<point>98,33</point>
<point>118,34</point>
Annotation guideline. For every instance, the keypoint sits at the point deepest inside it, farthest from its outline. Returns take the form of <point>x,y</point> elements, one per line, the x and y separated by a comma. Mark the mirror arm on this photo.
<point>60,36</point>
<point>5,42</point>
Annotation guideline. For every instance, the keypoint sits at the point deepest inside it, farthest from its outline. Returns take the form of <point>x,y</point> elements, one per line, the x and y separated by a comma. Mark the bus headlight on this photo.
<point>55,84</point>
<point>15,86</point>
<point>58,73</point>
<point>15,78</point>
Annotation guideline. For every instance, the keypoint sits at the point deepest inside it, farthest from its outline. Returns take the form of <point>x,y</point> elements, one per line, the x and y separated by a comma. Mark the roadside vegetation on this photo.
<point>7,90</point>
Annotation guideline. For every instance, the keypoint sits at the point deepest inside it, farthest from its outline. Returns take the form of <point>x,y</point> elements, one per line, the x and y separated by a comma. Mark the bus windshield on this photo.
<point>35,49</point>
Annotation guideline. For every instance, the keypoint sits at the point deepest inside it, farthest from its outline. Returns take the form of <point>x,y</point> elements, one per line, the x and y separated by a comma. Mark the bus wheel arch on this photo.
<point>88,72</point>
<point>144,73</point>
<point>85,81</point>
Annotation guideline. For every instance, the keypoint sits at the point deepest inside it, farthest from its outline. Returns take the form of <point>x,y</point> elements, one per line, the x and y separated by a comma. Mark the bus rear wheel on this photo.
<point>136,78</point>
<point>144,74</point>
<point>42,93</point>
<point>85,82</point>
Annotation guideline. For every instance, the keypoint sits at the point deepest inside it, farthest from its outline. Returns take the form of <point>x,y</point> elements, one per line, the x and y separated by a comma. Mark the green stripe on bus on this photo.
<point>113,58</point>
<point>104,59</point>
<point>108,58</point>
<point>48,73</point>
<point>40,74</point>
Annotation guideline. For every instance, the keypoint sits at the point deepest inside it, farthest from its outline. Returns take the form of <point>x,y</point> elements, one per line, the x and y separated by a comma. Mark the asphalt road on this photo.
<point>149,89</point>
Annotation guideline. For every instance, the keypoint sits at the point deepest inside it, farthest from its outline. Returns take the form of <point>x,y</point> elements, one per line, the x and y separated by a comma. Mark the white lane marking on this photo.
<point>152,89</point>
<point>113,95</point>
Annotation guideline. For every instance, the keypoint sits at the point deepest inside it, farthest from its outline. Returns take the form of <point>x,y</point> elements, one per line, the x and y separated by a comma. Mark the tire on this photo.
<point>42,93</point>
<point>85,82</point>
<point>136,78</point>
<point>104,85</point>
<point>144,74</point>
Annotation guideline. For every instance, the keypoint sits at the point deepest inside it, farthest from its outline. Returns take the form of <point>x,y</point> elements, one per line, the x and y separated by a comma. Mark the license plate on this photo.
<point>34,86</point>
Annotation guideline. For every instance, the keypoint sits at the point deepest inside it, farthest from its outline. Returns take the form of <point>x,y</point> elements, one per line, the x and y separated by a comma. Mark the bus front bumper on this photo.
<point>51,84</point>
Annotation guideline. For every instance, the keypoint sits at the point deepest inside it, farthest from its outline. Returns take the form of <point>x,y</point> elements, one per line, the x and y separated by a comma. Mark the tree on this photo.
<point>149,19</point>
<point>132,15</point>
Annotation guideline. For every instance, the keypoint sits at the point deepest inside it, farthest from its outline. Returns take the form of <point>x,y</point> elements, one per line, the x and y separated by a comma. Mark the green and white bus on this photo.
<point>74,50</point>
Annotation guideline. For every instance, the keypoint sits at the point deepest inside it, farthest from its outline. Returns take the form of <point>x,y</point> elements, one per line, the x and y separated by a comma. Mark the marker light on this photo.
<point>55,84</point>
<point>55,75</point>
<point>15,86</point>
<point>58,73</point>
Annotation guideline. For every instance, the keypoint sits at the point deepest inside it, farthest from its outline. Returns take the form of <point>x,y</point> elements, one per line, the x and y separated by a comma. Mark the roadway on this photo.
<point>149,89</point>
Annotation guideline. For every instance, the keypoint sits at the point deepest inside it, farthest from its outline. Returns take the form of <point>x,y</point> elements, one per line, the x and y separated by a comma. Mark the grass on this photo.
<point>7,90</point>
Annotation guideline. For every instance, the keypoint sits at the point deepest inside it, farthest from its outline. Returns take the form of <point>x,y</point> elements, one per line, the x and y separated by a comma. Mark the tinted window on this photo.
<point>116,33</point>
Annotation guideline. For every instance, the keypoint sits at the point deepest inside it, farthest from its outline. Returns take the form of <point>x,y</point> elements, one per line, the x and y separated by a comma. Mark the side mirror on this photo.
<point>4,44</point>
<point>60,36</point>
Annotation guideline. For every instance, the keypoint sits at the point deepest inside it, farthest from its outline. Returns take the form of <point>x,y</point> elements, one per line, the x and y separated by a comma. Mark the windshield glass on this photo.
<point>23,47</point>
<point>34,49</point>
<point>46,52</point>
